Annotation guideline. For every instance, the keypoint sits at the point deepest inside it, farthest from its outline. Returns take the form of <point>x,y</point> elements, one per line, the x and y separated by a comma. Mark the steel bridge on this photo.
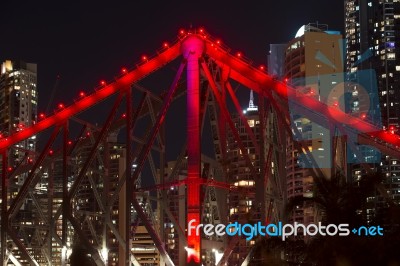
<point>69,189</point>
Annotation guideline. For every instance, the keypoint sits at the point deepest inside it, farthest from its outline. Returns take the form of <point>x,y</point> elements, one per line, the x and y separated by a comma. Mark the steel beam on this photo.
<point>93,151</point>
<point>227,117</point>
<point>142,158</point>
<point>4,216</point>
<point>32,178</point>
<point>242,117</point>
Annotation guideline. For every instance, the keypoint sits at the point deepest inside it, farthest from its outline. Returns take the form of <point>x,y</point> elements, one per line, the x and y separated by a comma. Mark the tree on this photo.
<point>342,202</point>
<point>80,256</point>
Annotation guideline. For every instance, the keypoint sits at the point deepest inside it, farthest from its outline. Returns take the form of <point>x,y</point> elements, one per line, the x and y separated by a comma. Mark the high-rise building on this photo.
<point>18,102</point>
<point>276,60</point>
<point>243,199</point>
<point>18,109</point>
<point>313,65</point>
<point>372,30</point>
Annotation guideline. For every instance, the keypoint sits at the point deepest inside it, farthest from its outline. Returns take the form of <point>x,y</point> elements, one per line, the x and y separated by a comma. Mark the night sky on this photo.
<point>89,41</point>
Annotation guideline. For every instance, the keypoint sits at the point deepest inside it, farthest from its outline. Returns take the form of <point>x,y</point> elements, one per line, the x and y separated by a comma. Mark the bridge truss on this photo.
<point>71,187</point>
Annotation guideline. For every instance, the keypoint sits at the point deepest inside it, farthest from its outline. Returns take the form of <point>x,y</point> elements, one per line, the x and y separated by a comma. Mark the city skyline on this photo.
<point>102,175</point>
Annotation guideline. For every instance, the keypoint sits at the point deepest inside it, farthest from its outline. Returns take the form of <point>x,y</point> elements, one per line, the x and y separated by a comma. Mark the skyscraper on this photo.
<point>241,201</point>
<point>18,102</point>
<point>18,109</point>
<point>276,60</point>
<point>372,46</point>
<point>313,65</point>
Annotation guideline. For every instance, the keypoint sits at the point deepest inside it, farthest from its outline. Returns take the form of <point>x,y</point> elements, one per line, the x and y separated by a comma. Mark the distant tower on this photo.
<point>18,108</point>
<point>276,60</point>
<point>313,65</point>
<point>18,101</point>
<point>372,46</point>
<point>252,107</point>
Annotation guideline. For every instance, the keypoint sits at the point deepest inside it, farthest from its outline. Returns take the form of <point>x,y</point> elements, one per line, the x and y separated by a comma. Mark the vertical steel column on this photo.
<point>161,180</point>
<point>50,211</point>
<point>65,202</point>
<point>4,217</point>
<point>128,185</point>
<point>106,192</point>
<point>192,49</point>
<point>260,180</point>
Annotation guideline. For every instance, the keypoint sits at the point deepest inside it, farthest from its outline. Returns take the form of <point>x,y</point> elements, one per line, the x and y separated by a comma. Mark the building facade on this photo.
<point>18,105</point>
<point>373,58</point>
<point>18,109</point>
<point>313,65</point>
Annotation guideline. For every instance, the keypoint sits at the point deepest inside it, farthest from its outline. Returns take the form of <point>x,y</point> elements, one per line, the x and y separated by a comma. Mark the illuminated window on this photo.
<point>251,123</point>
<point>391,55</point>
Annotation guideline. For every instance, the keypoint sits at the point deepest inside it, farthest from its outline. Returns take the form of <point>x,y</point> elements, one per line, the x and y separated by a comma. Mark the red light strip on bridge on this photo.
<point>259,81</point>
<point>122,83</point>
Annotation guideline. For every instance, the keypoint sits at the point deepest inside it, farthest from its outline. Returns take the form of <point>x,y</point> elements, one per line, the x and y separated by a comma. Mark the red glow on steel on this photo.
<point>193,48</point>
<point>84,103</point>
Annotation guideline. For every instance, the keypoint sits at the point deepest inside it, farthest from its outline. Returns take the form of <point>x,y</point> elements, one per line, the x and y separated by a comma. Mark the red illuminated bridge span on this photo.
<point>74,195</point>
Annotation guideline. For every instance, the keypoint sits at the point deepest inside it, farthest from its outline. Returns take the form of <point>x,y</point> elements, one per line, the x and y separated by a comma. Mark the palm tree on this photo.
<point>340,202</point>
<point>79,256</point>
